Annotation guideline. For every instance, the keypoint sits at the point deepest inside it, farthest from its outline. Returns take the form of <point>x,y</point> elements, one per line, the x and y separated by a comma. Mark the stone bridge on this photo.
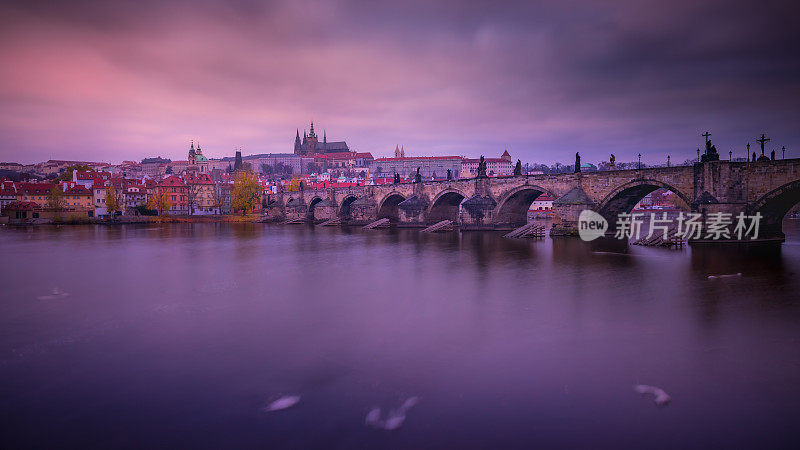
<point>769,187</point>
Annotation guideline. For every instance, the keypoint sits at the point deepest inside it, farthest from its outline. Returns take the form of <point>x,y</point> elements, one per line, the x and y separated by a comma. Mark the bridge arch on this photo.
<point>512,208</point>
<point>312,205</point>
<point>625,197</point>
<point>773,207</point>
<point>387,208</point>
<point>344,208</point>
<point>445,206</point>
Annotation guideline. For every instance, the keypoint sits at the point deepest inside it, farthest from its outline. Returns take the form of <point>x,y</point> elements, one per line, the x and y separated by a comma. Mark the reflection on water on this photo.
<point>179,335</point>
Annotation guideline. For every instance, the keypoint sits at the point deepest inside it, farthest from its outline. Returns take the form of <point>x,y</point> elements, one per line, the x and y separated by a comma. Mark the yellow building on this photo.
<point>202,195</point>
<point>79,200</point>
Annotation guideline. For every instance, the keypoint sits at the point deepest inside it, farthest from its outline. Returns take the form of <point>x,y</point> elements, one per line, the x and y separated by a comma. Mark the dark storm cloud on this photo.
<point>114,80</point>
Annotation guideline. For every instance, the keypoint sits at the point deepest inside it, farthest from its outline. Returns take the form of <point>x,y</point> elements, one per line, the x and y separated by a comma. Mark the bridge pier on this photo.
<point>412,212</point>
<point>296,208</point>
<point>567,209</point>
<point>322,211</point>
<point>477,213</point>
<point>274,207</point>
<point>362,211</point>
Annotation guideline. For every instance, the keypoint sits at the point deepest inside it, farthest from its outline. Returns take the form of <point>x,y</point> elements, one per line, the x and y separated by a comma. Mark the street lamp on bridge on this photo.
<point>640,160</point>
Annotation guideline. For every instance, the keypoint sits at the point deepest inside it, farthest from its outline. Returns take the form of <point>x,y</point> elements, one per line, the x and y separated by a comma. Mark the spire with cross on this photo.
<point>706,135</point>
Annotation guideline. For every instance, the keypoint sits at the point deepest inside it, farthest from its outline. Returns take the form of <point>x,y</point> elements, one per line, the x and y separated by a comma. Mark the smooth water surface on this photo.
<point>179,336</point>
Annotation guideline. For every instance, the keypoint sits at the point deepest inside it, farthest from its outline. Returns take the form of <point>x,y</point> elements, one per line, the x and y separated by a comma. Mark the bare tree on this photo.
<point>218,197</point>
<point>193,194</point>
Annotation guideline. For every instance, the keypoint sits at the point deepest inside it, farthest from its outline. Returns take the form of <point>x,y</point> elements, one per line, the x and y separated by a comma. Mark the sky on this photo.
<point>111,81</point>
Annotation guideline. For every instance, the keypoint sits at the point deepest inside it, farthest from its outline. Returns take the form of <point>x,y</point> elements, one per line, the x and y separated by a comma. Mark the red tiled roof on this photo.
<point>411,158</point>
<point>78,190</point>
<point>477,160</point>
<point>65,161</point>
<point>35,188</point>
<point>172,181</point>
<point>339,155</point>
<point>21,206</point>
<point>7,188</point>
<point>201,178</point>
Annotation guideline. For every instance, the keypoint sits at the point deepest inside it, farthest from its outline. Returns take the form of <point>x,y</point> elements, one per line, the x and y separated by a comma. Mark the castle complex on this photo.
<point>311,145</point>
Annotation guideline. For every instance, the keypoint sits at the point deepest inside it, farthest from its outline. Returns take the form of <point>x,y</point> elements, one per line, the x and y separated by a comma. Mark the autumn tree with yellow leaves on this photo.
<point>112,201</point>
<point>246,193</point>
<point>159,202</point>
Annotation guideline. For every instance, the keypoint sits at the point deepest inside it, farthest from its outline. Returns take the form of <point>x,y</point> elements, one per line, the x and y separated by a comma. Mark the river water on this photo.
<point>178,336</point>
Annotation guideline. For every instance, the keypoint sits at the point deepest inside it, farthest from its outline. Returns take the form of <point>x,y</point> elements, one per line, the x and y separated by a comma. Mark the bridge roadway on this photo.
<point>770,188</point>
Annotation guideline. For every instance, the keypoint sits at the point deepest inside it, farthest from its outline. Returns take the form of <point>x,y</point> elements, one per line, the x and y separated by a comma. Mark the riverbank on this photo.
<point>132,220</point>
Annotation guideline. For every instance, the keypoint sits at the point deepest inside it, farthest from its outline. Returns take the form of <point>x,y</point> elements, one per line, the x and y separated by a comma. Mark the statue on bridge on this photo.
<point>417,177</point>
<point>482,167</point>
<point>396,178</point>
<point>711,152</point>
<point>518,169</point>
<point>613,162</point>
<point>449,175</point>
<point>772,155</point>
<point>577,162</point>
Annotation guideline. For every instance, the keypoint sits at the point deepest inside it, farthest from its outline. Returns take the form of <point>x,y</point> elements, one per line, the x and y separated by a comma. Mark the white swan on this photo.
<point>661,397</point>
<point>394,419</point>
<point>732,275</point>
<point>282,403</point>
<point>56,293</point>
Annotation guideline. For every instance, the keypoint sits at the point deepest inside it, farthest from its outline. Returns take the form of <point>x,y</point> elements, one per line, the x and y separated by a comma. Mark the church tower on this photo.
<point>192,155</point>
<point>311,145</point>
<point>396,151</point>
<point>298,146</point>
